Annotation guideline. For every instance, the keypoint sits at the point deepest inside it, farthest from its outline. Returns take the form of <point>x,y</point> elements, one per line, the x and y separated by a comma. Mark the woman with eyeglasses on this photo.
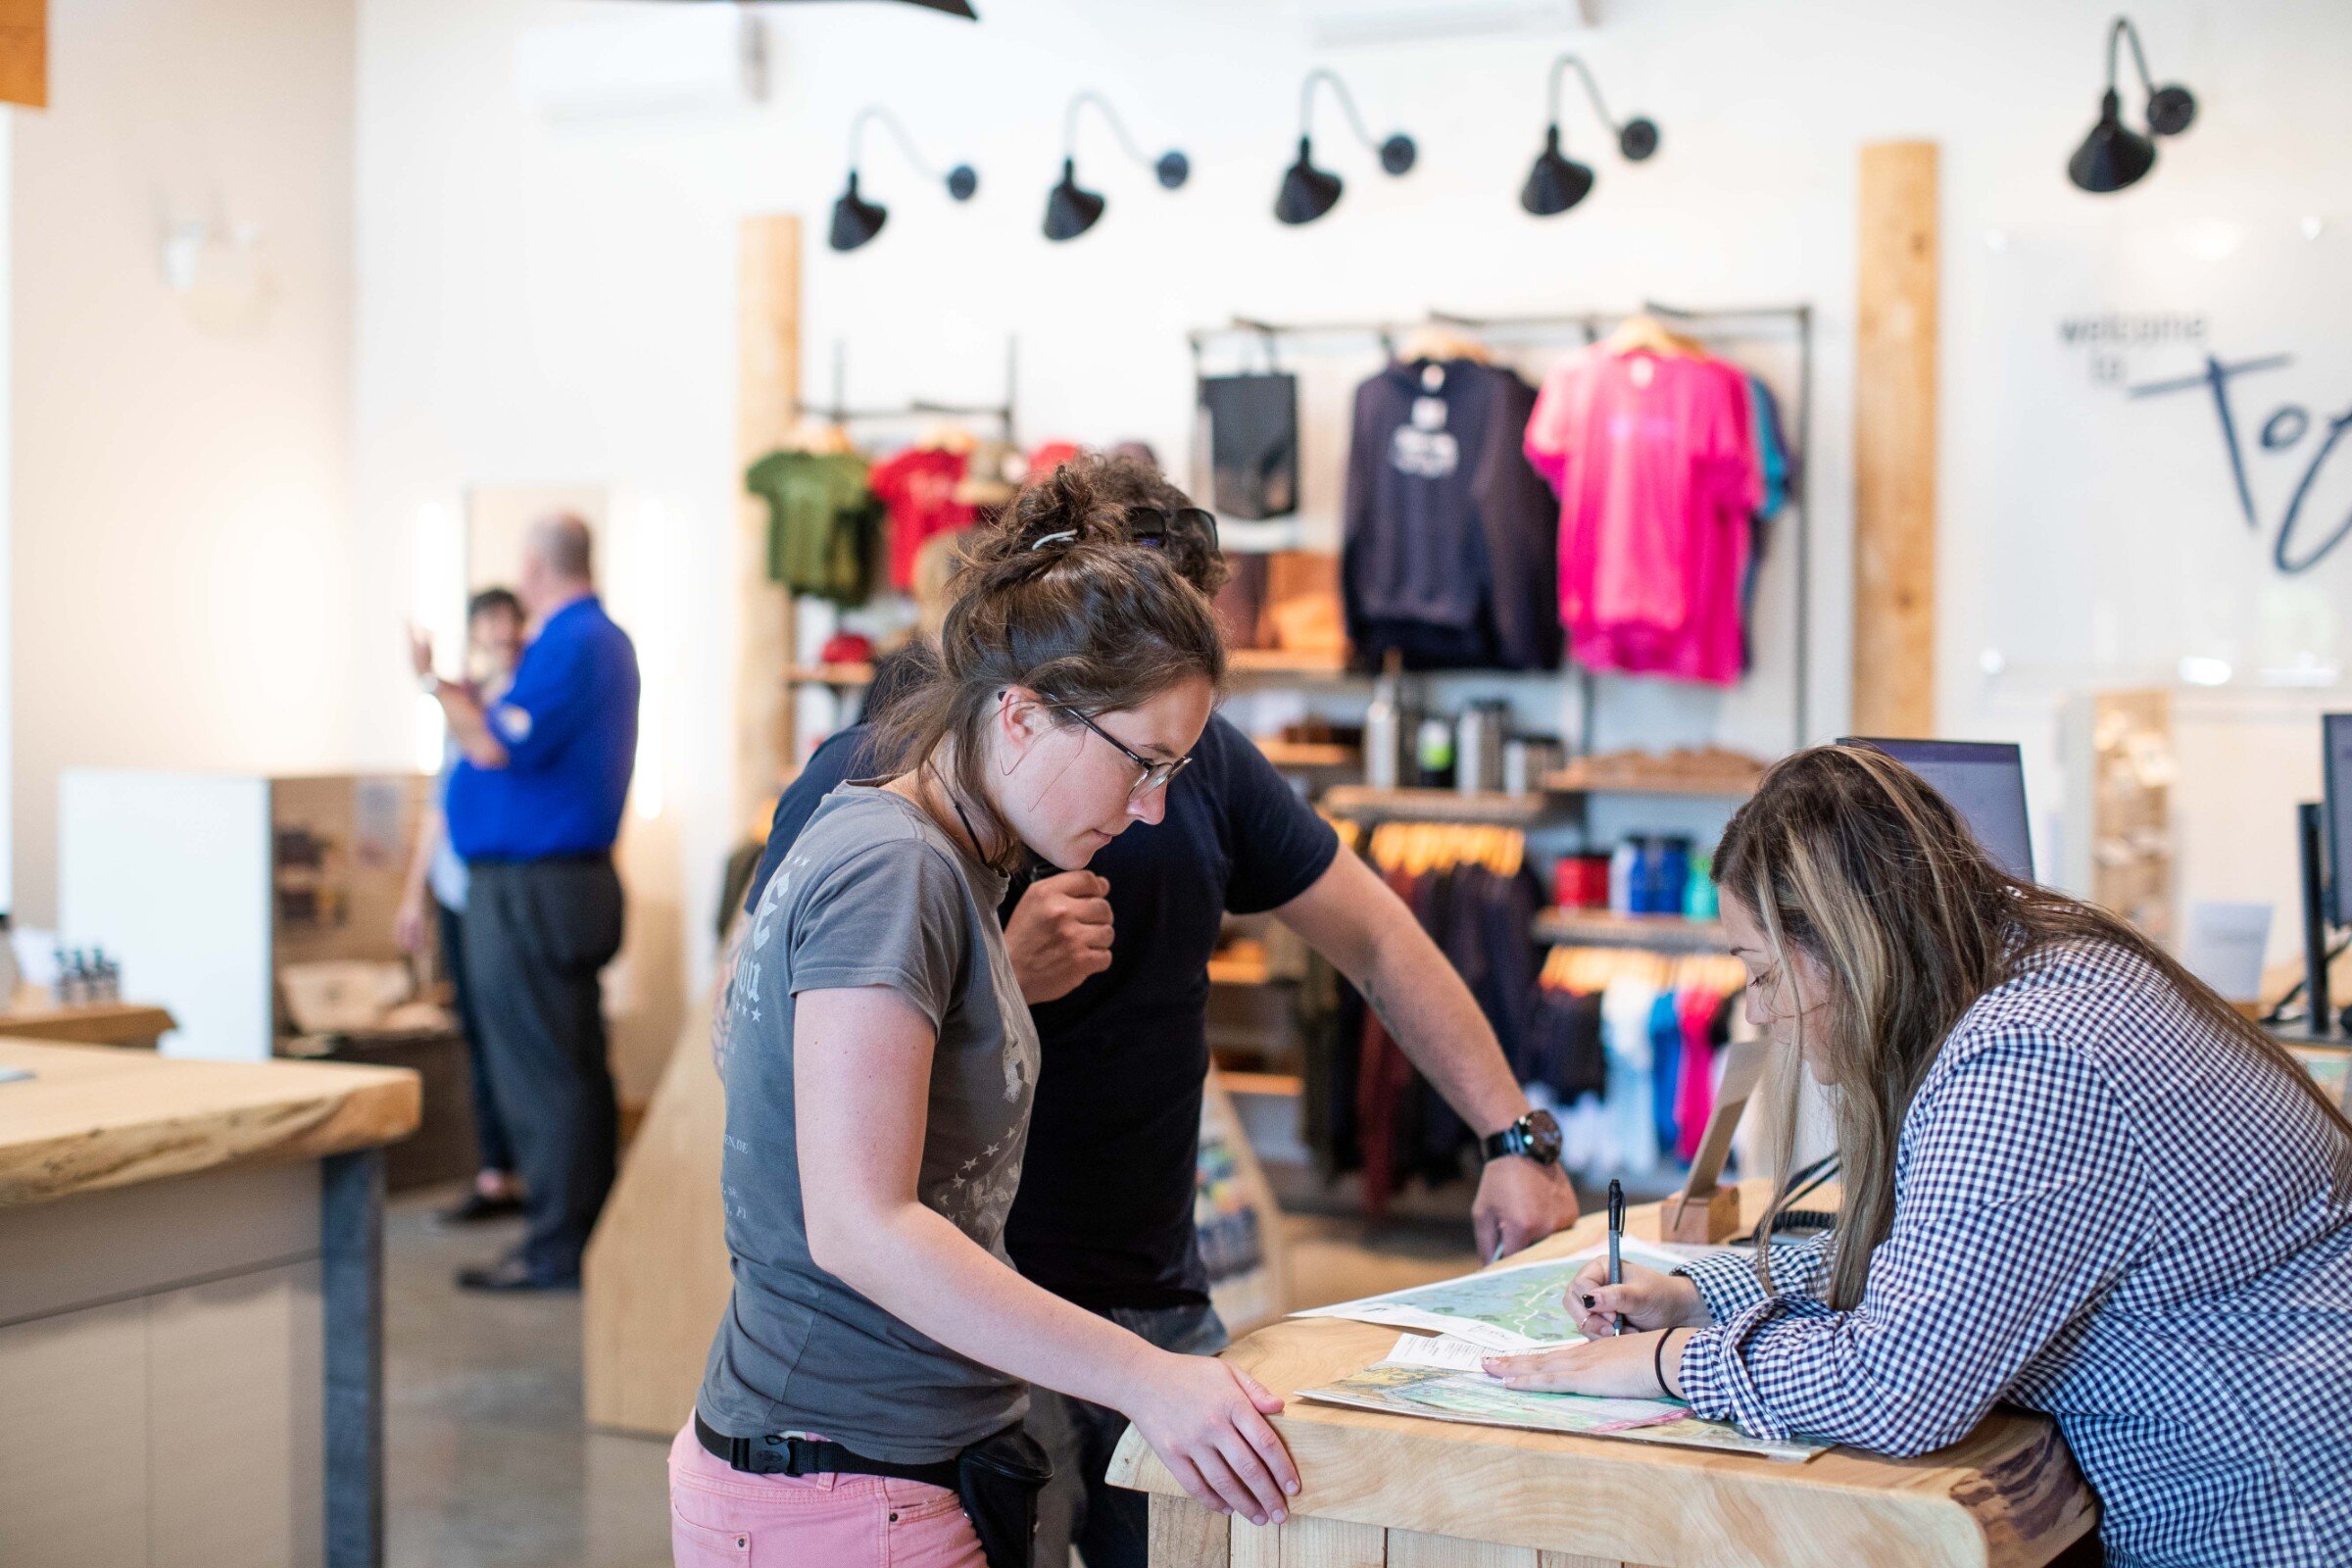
<point>864,1397</point>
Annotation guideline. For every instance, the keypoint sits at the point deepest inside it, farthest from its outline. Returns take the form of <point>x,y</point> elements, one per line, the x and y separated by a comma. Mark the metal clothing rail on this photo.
<point>838,410</point>
<point>1723,324</point>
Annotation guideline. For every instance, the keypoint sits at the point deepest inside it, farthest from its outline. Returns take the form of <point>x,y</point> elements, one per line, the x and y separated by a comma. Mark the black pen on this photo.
<point>1616,1235</point>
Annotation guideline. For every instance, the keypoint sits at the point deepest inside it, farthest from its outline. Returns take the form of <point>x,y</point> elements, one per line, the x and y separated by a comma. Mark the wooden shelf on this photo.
<point>1307,754</point>
<point>1656,933</point>
<point>1285,1084</point>
<point>1365,804</point>
<point>830,675</point>
<point>1573,782</point>
<point>1248,969</point>
<point>1282,663</point>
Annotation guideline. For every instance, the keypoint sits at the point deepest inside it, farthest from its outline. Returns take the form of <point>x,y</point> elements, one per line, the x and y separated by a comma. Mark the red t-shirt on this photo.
<point>918,487</point>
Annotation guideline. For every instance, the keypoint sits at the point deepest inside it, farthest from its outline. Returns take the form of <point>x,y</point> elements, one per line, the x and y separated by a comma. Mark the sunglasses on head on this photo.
<point>1153,526</point>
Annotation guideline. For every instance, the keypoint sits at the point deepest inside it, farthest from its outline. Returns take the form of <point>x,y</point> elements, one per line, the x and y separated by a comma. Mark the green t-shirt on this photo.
<point>822,521</point>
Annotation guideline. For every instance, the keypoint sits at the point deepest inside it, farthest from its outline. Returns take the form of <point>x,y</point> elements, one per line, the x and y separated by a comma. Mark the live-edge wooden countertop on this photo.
<point>2007,1497</point>
<point>97,1116</point>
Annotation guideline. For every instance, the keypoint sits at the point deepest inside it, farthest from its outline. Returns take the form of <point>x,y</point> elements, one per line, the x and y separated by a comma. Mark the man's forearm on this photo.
<point>1431,1015</point>
<point>470,727</point>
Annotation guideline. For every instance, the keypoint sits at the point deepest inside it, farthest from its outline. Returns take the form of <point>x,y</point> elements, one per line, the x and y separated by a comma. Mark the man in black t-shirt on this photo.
<point>1114,962</point>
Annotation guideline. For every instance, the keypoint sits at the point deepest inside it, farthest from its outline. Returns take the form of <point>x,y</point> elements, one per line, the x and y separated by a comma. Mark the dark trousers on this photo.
<point>1109,1524</point>
<point>496,1149</point>
<point>536,933</point>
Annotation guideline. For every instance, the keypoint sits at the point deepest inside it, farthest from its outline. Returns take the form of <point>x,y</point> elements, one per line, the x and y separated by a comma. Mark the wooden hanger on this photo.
<point>1440,342</point>
<point>947,437</point>
<point>808,433</point>
<point>1644,333</point>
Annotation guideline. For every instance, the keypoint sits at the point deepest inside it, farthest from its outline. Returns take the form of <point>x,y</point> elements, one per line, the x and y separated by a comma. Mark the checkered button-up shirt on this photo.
<point>2106,1211</point>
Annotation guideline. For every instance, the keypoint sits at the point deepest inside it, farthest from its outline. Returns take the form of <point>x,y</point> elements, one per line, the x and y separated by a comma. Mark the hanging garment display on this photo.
<point>1653,455</point>
<point>1623,1042</point>
<point>1448,536</point>
<point>1253,429</point>
<point>918,487</point>
<point>822,523</point>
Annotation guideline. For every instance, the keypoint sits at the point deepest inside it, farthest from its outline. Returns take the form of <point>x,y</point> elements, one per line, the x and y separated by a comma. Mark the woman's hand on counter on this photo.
<point>1206,1420</point>
<point>1621,1366</point>
<point>1648,1298</point>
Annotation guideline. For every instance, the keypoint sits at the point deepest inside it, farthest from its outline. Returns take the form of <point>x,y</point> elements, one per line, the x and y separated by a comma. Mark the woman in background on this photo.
<point>494,629</point>
<point>2075,1180</point>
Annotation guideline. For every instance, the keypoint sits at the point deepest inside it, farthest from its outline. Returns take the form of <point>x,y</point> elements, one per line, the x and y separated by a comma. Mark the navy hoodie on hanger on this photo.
<point>1450,540</point>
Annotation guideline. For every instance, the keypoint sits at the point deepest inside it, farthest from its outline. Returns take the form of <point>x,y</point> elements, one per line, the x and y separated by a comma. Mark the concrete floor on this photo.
<point>490,1465</point>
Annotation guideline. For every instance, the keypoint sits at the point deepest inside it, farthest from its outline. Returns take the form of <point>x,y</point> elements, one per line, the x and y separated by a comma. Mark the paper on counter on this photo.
<point>1508,1310</point>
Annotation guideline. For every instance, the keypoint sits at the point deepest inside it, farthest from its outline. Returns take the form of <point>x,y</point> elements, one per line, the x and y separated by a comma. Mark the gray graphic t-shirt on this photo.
<point>873,894</point>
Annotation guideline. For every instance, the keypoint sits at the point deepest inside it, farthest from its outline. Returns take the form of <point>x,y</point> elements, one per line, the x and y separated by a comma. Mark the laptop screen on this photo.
<point>1985,783</point>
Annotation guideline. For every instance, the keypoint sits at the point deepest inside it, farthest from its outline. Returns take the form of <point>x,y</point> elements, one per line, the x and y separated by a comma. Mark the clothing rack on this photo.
<point>1728,324</point>
<point>839,412</point>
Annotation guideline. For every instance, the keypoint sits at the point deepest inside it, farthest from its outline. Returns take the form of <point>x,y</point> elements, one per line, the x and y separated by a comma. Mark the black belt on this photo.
<point>775,1454</point>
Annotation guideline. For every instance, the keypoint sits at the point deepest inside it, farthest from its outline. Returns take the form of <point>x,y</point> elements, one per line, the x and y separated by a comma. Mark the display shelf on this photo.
<point>860,674</point>
<point>1278,1085</point>
<point>1241,969</point>
<point>1363,804</point>
<point>1573,781</point>
<point>1307,754</point>
<point>1283,664</point>
<point>1658,933</point>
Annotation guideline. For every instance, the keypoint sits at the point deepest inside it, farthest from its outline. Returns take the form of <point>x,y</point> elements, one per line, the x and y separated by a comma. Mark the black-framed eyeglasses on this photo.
<point>1155,772</point>
<point>1152,525</point>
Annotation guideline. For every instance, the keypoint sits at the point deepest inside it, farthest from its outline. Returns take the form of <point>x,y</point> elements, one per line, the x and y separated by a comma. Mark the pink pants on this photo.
<point>721,1518</point>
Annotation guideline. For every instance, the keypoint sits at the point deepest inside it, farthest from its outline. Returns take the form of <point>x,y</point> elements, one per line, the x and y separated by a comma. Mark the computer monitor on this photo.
<point>1985,783</point>
<point>2336,732</point>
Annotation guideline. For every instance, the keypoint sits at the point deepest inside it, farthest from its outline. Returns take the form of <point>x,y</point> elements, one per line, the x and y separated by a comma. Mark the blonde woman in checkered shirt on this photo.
<point>2075,1180</point>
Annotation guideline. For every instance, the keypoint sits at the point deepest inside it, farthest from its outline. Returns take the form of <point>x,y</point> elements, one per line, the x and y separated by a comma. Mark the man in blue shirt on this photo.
<point>1113,962</point>
<point>533,809</point>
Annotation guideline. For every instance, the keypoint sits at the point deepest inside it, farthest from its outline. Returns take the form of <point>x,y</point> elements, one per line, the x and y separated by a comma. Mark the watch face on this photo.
<point>1542,1136</point>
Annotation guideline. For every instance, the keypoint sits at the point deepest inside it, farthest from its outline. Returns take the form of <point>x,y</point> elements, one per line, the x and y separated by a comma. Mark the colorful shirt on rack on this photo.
<point>821,521</point>
<point>918,487</point>
<point>1655,464</point>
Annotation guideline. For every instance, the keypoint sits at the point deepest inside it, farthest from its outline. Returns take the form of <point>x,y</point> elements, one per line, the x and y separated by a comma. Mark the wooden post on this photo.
<point>24,53</point>
<point>1895,443</point>
<point>767,392</point>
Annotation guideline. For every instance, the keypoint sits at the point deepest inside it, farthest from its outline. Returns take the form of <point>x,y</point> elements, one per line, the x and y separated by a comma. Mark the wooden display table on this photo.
<point>36,1016</point>
<point>191,1308</point>
<point>1417,1494</point>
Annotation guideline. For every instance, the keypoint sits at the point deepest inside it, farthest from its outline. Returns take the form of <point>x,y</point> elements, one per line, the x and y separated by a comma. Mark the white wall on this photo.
<point>181,529</point>
<point>555,301</point>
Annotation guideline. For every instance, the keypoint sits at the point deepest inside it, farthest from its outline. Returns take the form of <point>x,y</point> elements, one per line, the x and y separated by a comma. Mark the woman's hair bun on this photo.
<point>1046,520</point>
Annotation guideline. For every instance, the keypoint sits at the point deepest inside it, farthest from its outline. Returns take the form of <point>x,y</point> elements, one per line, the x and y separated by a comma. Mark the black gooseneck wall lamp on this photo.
<point>1070,209</point>
<point>1557,181</point>
<point>1308,192</point>
<point>856,220</point>
<point>2114,156</point>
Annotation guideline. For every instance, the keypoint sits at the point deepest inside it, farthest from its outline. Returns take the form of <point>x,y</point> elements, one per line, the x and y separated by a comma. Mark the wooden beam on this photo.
<point>24,53</point>
<point>767,391</point>
<point>1894,442</point>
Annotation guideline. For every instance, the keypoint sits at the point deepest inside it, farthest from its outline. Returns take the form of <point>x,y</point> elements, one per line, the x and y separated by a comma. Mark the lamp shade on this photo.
<point>855,218</point>
<point>1069,211</point>
<point>2113,156</point>
<point>1307,192</point>
<point>1556,182</point>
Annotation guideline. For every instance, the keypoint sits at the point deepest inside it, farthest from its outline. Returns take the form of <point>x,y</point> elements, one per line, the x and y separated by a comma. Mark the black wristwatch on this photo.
<point>1534,1136</point>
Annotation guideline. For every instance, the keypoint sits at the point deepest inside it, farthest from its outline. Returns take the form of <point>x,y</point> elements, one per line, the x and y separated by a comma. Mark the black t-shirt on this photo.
<point>1104,1213</point>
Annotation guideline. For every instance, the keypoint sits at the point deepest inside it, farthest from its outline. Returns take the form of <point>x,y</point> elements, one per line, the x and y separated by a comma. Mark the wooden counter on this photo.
<point>1394,1489</point>
<point>35,1015</point>
<point>191,1308</point>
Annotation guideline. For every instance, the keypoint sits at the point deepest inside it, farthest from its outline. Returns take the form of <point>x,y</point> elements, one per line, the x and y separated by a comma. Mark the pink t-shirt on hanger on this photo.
<point>1655,463</point>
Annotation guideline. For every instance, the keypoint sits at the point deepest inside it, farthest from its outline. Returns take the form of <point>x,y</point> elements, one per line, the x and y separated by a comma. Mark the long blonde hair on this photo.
<point>1847,855</point>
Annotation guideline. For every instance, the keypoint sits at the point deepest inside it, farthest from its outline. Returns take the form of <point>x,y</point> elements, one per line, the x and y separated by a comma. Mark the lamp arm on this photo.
<point>1306,105</point>
<point>2121,30</point>
<point>1592,91</point>
<point>1118,127</point>
<point>873,112</point>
